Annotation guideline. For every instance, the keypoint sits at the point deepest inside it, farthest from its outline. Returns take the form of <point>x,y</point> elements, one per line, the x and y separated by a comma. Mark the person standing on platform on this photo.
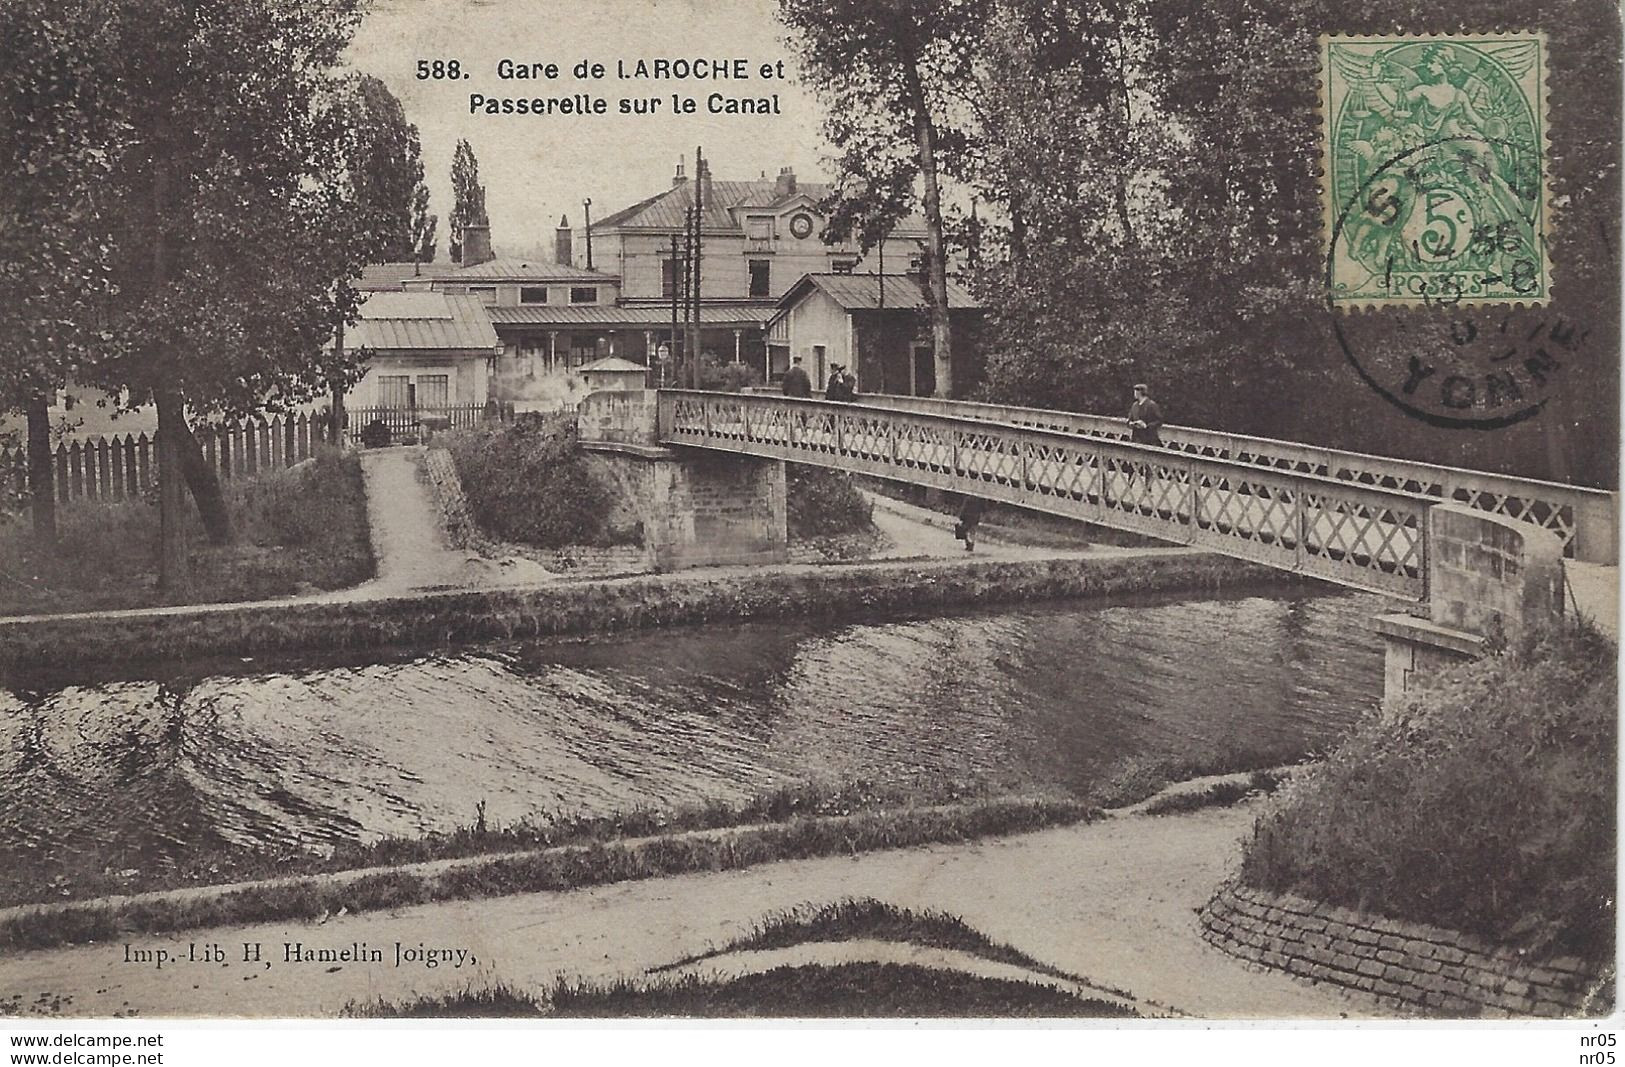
<point>838,387</point>
<point>796,382</point>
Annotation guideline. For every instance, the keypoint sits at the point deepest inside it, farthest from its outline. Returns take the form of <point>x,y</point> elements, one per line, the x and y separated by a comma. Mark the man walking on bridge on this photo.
<point>796,382</point>
<point>1144,418</point>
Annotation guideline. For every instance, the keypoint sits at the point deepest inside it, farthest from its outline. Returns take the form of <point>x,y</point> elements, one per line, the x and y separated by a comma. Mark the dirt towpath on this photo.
<point>1114,902</point>
<point>407,539</point>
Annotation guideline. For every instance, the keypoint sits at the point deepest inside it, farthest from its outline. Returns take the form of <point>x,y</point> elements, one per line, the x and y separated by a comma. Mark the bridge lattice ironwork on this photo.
<point>1361,536</point>
<point>1582,518</point>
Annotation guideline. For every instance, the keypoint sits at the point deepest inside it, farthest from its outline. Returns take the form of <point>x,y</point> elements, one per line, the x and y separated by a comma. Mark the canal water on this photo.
<point>1050,697</point>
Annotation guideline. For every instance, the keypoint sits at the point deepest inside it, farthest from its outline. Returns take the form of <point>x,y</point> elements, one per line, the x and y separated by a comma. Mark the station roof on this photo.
<point>874,292</point>
<point>380,277</point>
<point>527,270</point>
<point>645,316</point>
<point>422,321</point>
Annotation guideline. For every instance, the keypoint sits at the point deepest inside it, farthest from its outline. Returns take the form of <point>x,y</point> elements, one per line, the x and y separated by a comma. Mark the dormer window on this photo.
<point>584,294</point>
<point>533,294</point>
<point>759,227</point>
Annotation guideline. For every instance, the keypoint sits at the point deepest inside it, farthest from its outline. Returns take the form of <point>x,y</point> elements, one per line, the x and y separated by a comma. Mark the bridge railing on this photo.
<point>1360,536</point>
<point>1584,519</point>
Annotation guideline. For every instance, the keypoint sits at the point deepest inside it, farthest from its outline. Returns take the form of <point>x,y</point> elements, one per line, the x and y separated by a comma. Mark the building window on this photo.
<point>394,390</point>
<point>843,266</point>
<point>584,294</point>
<point>434,390</point>
<point>486,293</point>
<point>668,277</point>
<point>533,294</point>
<point>759,227</point>
<point>761,277</point>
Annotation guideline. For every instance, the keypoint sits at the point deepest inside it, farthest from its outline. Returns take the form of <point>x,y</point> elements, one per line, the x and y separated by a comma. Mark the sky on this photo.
<point>537,167</point>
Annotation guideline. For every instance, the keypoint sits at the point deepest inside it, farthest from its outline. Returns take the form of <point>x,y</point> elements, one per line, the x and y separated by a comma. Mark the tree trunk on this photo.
<point>174,577</point>
<point>925,136</point>
<point>41,473</point>
<point>337,412</point>
<point>204,483</point>
<point>1120,186</point>
<point>174,573</point>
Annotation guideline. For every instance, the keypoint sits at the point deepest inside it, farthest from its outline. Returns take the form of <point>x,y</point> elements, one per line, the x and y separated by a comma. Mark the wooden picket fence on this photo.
<point>119,468</point>
<point>408,422</point>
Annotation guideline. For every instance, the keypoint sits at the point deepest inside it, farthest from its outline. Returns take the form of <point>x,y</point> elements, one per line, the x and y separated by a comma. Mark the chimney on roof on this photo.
<point>679,178</point>
<point>785,185</point>
<point>477,242</point>
<point>563,244</point>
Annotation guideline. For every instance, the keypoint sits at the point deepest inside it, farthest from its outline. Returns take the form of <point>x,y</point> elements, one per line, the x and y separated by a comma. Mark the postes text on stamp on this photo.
<point>1435,169</point>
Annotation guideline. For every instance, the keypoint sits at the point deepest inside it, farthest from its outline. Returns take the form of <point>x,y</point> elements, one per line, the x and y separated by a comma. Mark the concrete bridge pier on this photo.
<point>697,508</point>
<point>1489,580</point>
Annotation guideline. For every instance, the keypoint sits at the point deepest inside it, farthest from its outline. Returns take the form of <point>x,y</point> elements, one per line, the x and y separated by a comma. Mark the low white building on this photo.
<point>429,351</point>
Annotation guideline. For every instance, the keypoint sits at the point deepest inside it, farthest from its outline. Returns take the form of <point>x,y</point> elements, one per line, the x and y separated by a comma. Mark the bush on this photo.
<point>375,434</point>
<point>824,503</point>
<point>1486,805</point>
<point>530,483</point>
<point>726,377</point>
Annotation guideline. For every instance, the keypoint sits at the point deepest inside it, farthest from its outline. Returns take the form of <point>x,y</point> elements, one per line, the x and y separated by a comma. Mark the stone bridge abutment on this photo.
<point>697,508</point>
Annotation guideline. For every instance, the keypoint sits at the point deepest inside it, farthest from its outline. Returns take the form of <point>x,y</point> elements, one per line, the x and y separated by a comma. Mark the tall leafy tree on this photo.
<point>386,171</point>
<point>468,195</point>
<point>1154,169</point>
<point>56,125</point>
<point>886,70</point>
<point>230,222</point>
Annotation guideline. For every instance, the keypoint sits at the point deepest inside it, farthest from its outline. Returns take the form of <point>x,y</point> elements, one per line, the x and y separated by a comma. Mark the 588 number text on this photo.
<point>440,70</point>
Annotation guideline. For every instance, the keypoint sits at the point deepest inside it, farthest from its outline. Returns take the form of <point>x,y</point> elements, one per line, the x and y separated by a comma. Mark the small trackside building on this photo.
<point>877,326</point>
<point>428,351</point>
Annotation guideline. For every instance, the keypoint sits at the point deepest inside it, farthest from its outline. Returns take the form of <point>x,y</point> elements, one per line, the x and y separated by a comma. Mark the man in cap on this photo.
<point>1144,417</point>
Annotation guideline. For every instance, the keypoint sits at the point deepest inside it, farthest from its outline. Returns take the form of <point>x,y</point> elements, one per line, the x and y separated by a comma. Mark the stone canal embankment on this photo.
<point>441,618</point>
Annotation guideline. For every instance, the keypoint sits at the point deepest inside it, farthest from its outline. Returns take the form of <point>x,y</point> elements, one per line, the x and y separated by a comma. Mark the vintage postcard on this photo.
<point>982,510</point>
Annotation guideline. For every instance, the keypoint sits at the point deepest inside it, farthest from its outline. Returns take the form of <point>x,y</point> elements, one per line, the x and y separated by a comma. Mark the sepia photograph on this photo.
<point>1090,513</point>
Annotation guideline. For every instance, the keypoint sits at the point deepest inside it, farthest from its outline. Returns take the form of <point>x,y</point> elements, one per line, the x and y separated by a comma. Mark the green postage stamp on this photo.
<point>1435,169</point>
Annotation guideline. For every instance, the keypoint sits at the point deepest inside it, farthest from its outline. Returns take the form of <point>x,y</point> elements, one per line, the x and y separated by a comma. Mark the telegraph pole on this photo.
<point>678,270</point>
<point>683,378</point>
<point>699,217</point>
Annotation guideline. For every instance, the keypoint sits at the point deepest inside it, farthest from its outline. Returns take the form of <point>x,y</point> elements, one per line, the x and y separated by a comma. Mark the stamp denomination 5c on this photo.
<point>1436,169</point>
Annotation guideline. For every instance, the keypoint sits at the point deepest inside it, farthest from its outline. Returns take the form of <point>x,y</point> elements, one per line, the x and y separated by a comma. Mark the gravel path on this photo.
<point>1113,902</point>
<point>407,539</point>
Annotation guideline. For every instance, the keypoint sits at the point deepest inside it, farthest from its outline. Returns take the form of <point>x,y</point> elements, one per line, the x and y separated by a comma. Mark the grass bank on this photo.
<point>598,862</point>
<point>443,619</point>
<point>298,530</point>
<point>867,919</point>
<point>1485,805</point>
<point>811,991</point>
<point>75,874</point>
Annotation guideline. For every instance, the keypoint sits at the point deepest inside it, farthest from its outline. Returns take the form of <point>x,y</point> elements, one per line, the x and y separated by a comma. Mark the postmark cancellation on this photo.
<point>1435,169</point>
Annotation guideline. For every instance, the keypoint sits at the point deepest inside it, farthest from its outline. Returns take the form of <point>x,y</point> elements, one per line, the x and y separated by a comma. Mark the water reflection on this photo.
<point>1044,697</point>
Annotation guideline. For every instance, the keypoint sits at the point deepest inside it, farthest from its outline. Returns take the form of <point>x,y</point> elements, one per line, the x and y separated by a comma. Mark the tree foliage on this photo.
<point>386,174</point>
<point>468,203</point>
<point>887,71</point>
<point>1154,172</point>
<point>202,151</point>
